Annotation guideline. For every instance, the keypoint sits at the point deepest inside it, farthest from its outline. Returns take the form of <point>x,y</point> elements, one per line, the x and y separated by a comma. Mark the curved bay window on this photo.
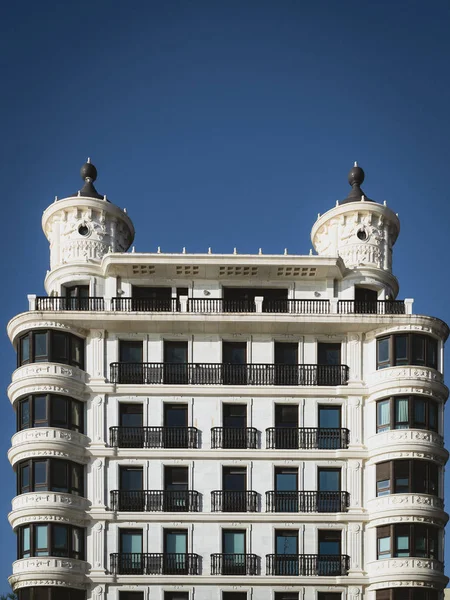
<point>407,477</point>
<point>50,410</point>
<point>50,593</point>
<point>51,474</point>
<point>407,412</point>
<point>399,540</point>
<point>50,539</point>
<point>50,346</point>
<point>404,593</point>
<point>407,349</point>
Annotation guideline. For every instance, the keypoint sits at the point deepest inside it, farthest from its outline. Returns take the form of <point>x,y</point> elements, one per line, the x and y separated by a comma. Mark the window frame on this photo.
<point>413,467</point>
<point>430,349</point>
<point>50,548</point>
<point>48,486</point>
<point>430,404</point>
<point>403,593</point>
<point>72,342</point>
<point>51,593</point>
<point>413,532</point>
<point>50,400</point>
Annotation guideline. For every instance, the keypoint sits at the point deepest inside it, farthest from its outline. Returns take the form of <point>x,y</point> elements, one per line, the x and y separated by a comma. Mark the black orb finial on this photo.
<point>356,175</point>
<point>88,172</point>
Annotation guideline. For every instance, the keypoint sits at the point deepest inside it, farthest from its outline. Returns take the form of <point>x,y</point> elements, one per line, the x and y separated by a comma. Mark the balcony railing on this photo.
<point>307,502</point>
<point>153,437</point>
<point>219,305</point>
<point>227,374</point>
<point>307,438</point>
<point>234,437</point>
<point>55,303</point>
<point>155,500</point>
<point>306,565</point>
<point>155,564</point>
<point>297,307</point>
<point>375,307</point>
<point>234,501</point>
<point>235,564</point>
<point>123,304</point>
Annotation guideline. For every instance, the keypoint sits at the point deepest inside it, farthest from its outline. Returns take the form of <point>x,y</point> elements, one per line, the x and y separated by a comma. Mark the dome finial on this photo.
<point>355,164</point>
<point>355,179</point>
<point>88,171</point>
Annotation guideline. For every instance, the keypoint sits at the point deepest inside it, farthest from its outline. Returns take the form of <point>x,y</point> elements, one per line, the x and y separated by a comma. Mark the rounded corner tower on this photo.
<point>82,228</point>
<point>362,232</point>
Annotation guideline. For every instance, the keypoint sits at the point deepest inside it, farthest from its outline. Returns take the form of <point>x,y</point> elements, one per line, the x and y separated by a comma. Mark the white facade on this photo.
<point>366,544</point>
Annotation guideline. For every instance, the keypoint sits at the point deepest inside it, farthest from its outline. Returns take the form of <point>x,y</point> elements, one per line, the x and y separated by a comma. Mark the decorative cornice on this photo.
<point>439,456</point>
<point>49,506</point>
<point>21,388</point>
<point>419,388</point>
<point>431,325</point>
<point>405,439</point>
<point>34,320</point>
<point>17,454</point>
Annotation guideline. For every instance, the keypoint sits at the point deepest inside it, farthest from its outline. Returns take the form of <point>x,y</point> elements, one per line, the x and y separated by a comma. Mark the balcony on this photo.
<point>55,303</point>
<point>307,438</point>
<point>155,564</point>
<point>227,374</point>
<point>307,565</point>
<point>144,304</point>
<point>155,501</point>
<point>378,307</point>
<point>219,305</point>
<point>235,564</point>
<point>307,502</point>
<point>234,501</point>
<point>234,437</point>
<point>154,437</point>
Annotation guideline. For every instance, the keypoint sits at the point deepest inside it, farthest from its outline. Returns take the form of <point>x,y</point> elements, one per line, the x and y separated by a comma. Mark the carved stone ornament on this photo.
<point>71,391</point>
<point>48,370</point>
<point>418,389</point>
<point>429,325</point>
<point>406,584</point>
<point>47,582</point>
<point>28,325</point>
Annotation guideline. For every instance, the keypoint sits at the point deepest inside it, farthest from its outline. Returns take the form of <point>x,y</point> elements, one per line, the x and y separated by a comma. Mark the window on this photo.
<point>402,540</point>
<point>130,415</point>
<point>176,595</point>
<point>130,352</point>
<point>130,478</point>
<point>50,593</point>
<point>50,540</point>
<point>286,596</point>
<point>329,596</point>
<point>51,346</point>
<point>131,596</point>
<point>407,412</point>
<point>51,474</point>
<point>407,349</point>
<point>234,595</point>
<point>49,410</point>
<point>407,476</point>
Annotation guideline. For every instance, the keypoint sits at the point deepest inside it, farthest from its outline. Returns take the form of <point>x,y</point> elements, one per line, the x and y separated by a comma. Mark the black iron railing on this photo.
<point>154,437</point>
<point>123,304</point>
<point>235,564</point>
<point>234,437</point>
<point>307,438</point>
<point>375,307</point>
<point>325,565</point>
<point>307,502</point>
<point>63,303</point>
<point>155,564</point>
<point>155,500</point>
<point>297,307</point>
<point>228,374</point>
<point>234,501</point>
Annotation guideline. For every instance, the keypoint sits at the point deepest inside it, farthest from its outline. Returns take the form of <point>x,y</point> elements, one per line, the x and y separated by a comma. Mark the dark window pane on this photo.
<point>383,352</point>
<point>420,413</point>
<point>40,411</point>
<point>25,541</point>
<point>131,478</point>
<point>59,410</point>
<point>59,471</point>
<point>24,474</point>
<point>60,540</point>
<point>60,347</point>
<point>40,475</point>
<point>77,416</point>
<point>78,542</point>
<point>329,480</point>
<point>130,352</point>
<point>24,414</point>
<point>432,416</point>
<point>401,349</point>
<point>40,347</point>
<point>432,353</point>
<point>25,349</point>
<point>329,416</point>
<point>329,354</point>
<point>131,415</point>
<point>77,479</point>
<point>418,350</point>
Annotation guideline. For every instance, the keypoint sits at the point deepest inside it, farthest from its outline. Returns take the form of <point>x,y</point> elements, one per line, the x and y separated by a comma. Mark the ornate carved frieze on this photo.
<point>27,325</point>
<point>70,565</point>
<point>49,369</point>
<point>41,434</point>
<point>395,566</point>
<point>16,391</point>
<point>413,437</point>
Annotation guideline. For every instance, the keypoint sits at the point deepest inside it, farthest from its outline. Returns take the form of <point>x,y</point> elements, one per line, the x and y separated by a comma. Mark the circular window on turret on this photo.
<point>362,235</point>
<point>83,230</point>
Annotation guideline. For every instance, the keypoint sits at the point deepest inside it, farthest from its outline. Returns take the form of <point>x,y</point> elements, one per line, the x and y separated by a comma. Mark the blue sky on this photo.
<point>223,124</point>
